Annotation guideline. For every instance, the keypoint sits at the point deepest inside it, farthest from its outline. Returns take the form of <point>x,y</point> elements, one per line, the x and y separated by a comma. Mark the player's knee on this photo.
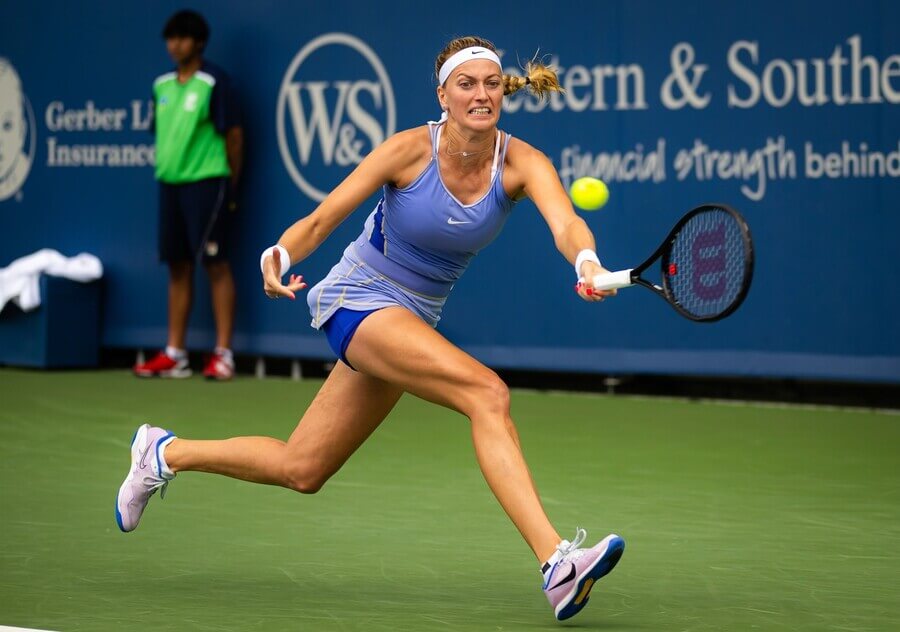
<point>308,486</point>
<point>492,395</point>
<point>305,484</point>
<point>304,479</point>
<point>498,392</point>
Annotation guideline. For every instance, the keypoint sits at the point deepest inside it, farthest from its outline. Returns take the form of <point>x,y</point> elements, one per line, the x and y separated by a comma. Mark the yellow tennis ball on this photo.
<point>589,193</point>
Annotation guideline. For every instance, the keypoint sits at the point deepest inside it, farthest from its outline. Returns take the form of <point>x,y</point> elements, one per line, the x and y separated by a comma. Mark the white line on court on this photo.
<point>719,402</point>
<point>4,628</point>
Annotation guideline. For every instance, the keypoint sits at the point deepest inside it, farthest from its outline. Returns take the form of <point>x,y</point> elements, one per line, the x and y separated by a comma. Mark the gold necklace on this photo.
<point>465,154</point>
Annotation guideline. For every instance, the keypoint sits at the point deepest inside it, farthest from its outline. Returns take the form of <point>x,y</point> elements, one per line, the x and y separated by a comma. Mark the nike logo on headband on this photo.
<point>462,57</point>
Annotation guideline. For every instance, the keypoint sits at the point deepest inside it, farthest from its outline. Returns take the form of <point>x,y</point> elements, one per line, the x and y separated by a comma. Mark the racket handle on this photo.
<point>613,280</point>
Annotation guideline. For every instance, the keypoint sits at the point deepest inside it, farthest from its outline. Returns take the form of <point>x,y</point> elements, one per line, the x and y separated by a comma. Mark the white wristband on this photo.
<point>285,259</point>
<point>585,255</point>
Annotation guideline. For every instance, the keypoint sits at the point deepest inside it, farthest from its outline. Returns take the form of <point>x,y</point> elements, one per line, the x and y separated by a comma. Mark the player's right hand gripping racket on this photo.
<point>706,263</point>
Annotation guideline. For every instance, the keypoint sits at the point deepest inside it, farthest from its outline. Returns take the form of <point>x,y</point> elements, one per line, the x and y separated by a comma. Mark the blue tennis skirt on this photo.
<point>352,290</point>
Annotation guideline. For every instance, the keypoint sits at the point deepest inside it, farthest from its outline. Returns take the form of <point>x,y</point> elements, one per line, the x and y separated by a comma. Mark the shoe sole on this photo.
<point>130,471</point>
<point>615,546</point>
<point>217,378</point>
<point>166,374</point>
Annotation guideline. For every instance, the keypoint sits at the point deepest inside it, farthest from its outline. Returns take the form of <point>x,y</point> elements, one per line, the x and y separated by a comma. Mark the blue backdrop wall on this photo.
<point>789,111</point>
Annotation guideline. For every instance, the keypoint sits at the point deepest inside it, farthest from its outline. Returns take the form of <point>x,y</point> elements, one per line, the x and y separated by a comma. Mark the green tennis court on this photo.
<point>736,517</point>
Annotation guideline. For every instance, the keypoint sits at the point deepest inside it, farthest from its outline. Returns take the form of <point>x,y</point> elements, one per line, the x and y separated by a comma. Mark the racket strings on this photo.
<point>706,270</point>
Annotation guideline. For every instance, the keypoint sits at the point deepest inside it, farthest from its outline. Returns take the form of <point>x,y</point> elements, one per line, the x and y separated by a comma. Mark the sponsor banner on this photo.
<point>793,121</point>
<point>61,119</point>
<point>19,132</point>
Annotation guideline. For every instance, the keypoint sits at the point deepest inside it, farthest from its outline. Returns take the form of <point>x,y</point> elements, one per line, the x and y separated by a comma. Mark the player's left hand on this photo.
<point>585,285</point>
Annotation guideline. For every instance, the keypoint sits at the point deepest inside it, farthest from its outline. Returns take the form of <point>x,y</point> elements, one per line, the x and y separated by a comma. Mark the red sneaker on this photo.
<point>219,367</point>
<point>163,366</point>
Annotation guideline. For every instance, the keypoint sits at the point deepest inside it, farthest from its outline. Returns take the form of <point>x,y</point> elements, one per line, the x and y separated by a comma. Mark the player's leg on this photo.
<point>398,347</point>
<point>346,410</point>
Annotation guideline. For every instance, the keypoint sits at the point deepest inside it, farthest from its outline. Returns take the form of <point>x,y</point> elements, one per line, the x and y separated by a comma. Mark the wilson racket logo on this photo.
<point>709,264</point>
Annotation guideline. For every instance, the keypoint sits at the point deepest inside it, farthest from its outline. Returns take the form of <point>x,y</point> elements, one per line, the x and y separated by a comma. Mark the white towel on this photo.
<point>20,280</point>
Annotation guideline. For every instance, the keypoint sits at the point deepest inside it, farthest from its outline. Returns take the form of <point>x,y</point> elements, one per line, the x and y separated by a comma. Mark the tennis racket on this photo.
<point>706,265</point>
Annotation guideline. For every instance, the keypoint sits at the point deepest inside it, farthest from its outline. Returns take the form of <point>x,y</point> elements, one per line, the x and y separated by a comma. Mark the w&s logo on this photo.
<point>335,105</point>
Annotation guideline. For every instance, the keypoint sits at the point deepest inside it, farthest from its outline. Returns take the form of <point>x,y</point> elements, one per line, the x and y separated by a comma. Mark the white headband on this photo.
<point>466,54</point>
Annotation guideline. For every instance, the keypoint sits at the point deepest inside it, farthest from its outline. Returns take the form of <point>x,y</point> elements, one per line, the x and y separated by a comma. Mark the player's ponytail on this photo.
<point>539,78</point>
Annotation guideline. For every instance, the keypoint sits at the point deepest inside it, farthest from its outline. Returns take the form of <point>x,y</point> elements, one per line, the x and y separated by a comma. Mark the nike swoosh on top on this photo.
<point>568,577</point>
<point>454,222</point>
<point>144,456</point>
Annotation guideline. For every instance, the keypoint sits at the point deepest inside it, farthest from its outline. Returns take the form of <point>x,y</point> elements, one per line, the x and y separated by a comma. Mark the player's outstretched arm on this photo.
<point>376,169</point>
<point>570,233</point>
<point>307,234</point>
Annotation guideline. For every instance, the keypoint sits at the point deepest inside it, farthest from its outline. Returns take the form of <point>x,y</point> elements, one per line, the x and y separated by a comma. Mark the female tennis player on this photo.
<point>448,188</point>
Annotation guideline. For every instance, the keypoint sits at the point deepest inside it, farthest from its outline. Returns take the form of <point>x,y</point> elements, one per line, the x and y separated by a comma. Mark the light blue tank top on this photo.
<point>422,237</point>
